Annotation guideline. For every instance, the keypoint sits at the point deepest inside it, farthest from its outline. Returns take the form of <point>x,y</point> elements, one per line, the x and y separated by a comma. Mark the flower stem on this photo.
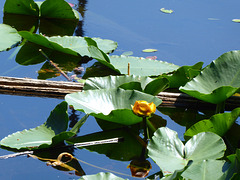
<point>146,135</point>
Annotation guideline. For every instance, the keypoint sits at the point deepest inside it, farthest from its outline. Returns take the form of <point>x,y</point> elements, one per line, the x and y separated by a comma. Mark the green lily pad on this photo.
<point>111,82</point>
<point>21,7</point>
<point>170,154</point>
<point>218,81</point>
<point>182,75</point>
<point>50,133</point>
<point>58,9</point>
<point>219,124</point>
<point>236,20</point>
<point>72,45</point>
<point>9,37</point>
<point>167,11</point>
<point>141,66</point>
<point>110,104</point>
<point>149,50</point>
<point>205,170</point>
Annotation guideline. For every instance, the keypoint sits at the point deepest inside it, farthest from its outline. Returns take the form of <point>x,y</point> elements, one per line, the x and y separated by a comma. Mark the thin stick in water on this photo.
<point>54,65</point>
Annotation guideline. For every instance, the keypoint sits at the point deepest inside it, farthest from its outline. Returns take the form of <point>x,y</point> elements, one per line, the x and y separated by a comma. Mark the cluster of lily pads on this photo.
<point>112,85</point>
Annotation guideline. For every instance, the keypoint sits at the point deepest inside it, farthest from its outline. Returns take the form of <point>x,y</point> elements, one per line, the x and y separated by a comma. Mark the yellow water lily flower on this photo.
<point>143,108</point>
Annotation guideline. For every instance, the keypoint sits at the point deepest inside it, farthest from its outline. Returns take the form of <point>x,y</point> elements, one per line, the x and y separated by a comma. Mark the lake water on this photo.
<point>195,31</point>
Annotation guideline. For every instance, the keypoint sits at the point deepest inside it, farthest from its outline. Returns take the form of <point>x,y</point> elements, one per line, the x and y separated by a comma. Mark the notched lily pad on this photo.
<point>52,132</point>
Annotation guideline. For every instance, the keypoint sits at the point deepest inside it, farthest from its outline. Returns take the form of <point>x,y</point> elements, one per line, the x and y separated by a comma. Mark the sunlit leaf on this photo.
<point>149,50</point>
<point>50,133</point>
<point>110,104</point>
<point>236,20</point>
<point>167,11</point>
<point>218,81</point>
<point>219,124</point>
<point>205,170</point>
<point>141,66</point>
<point>170,154</point>
<point>101,176</point>
<point>72,45</point>
<point>9,37</point>
<point>110,82</point>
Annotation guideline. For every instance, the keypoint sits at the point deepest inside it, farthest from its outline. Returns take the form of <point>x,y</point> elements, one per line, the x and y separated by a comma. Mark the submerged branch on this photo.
<point>58,89</point>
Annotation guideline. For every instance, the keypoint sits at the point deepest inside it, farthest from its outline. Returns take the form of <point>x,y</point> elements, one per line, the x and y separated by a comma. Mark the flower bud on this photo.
<point>143,108</point>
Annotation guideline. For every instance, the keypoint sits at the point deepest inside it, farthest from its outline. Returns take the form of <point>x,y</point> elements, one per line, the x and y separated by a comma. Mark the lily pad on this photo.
<point>205,170</point>
<point>219,124</point>
<point>170,154</point>
<point>149,50</point>
<point>182,75</point>
<point>111,82</point>
<point>21,7</point>
<point>218,81</point>
<point>72,45</point>
<point>50,133</point>
<point>236,20</point>
<point>167,11</point>
<point>110,104</point>
<point>141,66</point>
<point>9,37</point>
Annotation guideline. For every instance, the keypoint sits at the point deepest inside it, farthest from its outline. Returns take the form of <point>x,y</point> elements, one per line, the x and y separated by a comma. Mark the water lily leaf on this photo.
<point>204,170</point>
<point>49,133</point>
<point>183,74</point>
<point>101,176</point>
<point>58,9</point>
<point>141,66</point>
<point>218,81</point>
<point>72,45</point>
<point>110,104</point>
<point>9,37</point>
<point>236,20</point>
<point>110,82</point>
<point>21,7</point>
<point>167,11</point>
<point>149,50</point>
<point>219,124</point>
<point>170,154</point>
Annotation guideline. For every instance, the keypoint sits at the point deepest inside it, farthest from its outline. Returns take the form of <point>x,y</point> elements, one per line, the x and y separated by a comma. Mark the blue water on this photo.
<point>196,31</point>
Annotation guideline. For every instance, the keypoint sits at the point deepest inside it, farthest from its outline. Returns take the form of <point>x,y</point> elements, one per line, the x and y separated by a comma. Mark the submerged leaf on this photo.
<point>64,162</point>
